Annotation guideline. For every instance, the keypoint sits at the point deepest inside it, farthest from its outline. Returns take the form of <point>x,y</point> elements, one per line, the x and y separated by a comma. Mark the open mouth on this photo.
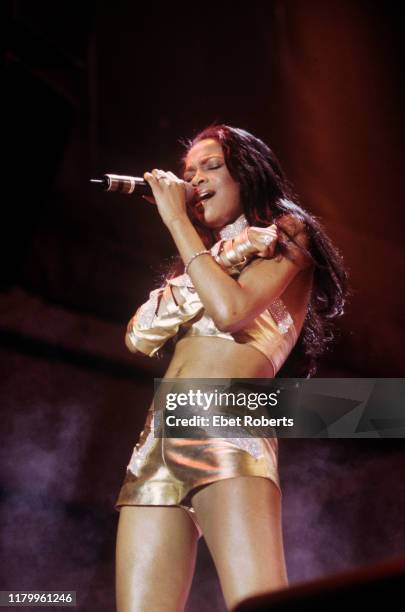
<point>202,197</point>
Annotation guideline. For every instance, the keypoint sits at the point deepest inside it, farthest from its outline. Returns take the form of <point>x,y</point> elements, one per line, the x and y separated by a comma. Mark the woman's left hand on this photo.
<point>168,194</point>
<point>263,240</point>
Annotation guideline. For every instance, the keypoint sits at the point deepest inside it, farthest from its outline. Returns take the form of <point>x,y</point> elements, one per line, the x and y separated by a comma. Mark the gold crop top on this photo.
<point>272,333</point>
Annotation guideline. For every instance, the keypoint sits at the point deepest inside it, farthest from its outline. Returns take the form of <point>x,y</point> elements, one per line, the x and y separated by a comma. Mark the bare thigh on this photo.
<point>242,525</point>
<point>155,558</point>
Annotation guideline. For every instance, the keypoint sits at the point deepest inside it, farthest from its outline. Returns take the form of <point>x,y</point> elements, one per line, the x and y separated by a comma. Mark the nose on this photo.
<point>198,178</point>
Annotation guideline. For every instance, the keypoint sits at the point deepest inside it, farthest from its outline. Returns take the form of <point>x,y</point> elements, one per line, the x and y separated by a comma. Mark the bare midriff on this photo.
<point>213,357</point>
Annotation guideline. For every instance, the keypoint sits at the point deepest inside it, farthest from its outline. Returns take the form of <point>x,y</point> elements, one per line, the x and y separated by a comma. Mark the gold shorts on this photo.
<point>168,471</point>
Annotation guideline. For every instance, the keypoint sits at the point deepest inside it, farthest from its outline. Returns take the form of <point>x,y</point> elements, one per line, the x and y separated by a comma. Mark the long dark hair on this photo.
<point>267,195</point>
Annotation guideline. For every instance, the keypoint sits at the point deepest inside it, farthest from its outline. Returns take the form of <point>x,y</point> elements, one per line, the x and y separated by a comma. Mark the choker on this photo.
<point>233,229</point>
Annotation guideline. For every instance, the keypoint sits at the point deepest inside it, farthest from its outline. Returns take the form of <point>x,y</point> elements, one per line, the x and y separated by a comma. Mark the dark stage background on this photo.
<point>98,87</point>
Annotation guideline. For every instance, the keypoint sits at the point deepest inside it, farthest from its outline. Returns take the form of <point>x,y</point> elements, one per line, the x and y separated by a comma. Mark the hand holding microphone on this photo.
<point>170,194</point>
<point>136,185</point>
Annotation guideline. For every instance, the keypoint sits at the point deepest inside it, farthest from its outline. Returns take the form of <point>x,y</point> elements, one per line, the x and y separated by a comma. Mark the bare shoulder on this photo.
<point>292,225</point>
<point>292,232</point>
<point>264,279</point>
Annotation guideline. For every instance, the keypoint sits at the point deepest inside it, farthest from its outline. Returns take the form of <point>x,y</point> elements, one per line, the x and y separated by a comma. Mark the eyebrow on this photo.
<point>204,160</point>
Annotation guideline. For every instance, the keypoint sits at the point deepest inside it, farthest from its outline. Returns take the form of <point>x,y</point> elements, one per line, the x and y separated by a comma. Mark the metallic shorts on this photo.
<point>168,471</point>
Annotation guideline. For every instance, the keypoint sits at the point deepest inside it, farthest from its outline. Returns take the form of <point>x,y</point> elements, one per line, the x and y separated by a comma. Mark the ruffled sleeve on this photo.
<point>160,318</point>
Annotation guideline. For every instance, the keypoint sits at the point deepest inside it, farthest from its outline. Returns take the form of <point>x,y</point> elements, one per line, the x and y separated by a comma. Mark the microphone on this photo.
<point>134,185</point>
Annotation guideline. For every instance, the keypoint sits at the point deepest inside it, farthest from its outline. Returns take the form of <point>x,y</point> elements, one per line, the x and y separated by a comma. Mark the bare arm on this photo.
<point>230,303</point>
<point>233,303</point>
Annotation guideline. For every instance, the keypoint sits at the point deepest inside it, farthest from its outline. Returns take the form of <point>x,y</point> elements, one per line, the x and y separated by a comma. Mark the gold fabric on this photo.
<point>162,317</point>
<point>272,332</point>
<point>166,471</point>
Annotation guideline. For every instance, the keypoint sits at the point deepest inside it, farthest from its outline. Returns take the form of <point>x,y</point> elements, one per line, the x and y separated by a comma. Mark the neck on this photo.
<point>232,229</point>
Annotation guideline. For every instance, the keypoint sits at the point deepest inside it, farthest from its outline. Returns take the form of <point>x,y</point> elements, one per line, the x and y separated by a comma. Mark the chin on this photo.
<point>213,220</point>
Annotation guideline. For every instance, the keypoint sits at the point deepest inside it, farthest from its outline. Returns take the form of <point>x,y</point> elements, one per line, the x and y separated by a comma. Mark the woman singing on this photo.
<point>256,277</point>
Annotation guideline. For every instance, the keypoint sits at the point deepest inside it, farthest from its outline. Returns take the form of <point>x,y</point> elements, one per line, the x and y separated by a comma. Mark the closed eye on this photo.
<point>187,178</point>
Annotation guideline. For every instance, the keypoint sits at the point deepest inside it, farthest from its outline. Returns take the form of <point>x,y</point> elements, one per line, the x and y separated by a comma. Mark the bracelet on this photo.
<point>226,264</point>
<point>243,246</point>
<point>231,255</point>
<point>205,252</point>
<point>236,251</point>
